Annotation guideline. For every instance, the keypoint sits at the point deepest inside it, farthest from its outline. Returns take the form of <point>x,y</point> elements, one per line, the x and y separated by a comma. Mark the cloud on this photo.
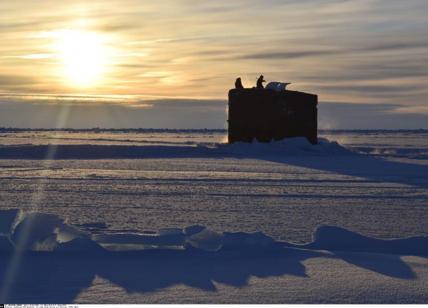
<point>415,110</point>
<point>65,99</point>
<point>13,80</point>
<point>150,113</point>
<point>396,45</point>
<point>275,55</point>
<point>136,112</point>
<point>353,51</point>
<point>336,115</point>
<point>369,72</point>
<point>394,89</point>
<point>31,56</point>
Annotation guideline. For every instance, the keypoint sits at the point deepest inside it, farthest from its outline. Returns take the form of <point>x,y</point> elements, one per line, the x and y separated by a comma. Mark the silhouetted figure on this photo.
<point>238,83</point>
<point>260,82</point>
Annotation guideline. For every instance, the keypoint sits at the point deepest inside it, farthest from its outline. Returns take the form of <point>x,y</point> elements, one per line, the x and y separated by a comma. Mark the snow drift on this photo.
<point>57,261</point>
<point>338,239</point>
<point>287,147</point>
<point>298,146</point>
<point>46,232</point>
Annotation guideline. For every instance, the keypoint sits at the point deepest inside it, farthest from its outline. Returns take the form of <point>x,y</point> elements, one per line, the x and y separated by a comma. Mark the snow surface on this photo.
<point>290,147</point>
<point>180,217</point>
<point>229,258</point>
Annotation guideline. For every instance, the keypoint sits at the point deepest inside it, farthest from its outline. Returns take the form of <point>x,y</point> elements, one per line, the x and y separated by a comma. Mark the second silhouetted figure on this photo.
<point>260,82</point>
<point>238,83</point>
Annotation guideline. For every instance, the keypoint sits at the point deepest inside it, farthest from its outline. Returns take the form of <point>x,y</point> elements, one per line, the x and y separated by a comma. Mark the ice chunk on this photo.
<point>80,245</point>
<point>141,239</point>
<point>67,233</point>
<point>48,244</point>
<point>125,238</point>
<point>205,240</point>
<point>190,230</point>
<point>34,229</point>
<point>7,218</point>
<point>236,240</point>
<point>93,225</point>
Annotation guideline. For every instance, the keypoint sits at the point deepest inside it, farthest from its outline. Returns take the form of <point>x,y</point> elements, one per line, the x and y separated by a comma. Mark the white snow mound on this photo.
<point>298,146</point>
<point>47,232</point>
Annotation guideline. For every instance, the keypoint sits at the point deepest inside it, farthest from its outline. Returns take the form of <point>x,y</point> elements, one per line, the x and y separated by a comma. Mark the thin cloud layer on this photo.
<point>147,112</point>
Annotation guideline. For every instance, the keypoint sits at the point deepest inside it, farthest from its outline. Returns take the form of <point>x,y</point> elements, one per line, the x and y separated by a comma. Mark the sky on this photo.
<point>170,64</point>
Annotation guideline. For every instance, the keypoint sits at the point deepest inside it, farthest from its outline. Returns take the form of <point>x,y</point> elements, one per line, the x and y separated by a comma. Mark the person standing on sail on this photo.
<point>260,82</point>
<point>238,83</point>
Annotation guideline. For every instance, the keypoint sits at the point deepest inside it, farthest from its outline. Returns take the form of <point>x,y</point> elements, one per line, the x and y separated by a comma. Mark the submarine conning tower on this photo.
<point>265,115</point>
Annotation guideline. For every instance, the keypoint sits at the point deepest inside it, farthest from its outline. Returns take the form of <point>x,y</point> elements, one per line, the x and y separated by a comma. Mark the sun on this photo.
<point>84,57</point>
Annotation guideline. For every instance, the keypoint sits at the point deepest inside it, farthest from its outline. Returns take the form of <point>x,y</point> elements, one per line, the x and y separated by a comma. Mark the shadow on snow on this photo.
<point>59,276</point>
<point>46,277</point>
<point>327,156</point>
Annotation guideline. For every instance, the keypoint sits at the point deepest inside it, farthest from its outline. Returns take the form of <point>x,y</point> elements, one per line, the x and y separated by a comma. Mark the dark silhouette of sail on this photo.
<point>266,115</point>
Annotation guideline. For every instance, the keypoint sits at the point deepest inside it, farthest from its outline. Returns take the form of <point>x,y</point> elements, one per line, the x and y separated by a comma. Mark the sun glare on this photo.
<point>84,56</point>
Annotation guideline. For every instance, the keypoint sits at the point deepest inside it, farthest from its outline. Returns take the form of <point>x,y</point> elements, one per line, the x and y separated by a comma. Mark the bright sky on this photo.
<point>146,55</point>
